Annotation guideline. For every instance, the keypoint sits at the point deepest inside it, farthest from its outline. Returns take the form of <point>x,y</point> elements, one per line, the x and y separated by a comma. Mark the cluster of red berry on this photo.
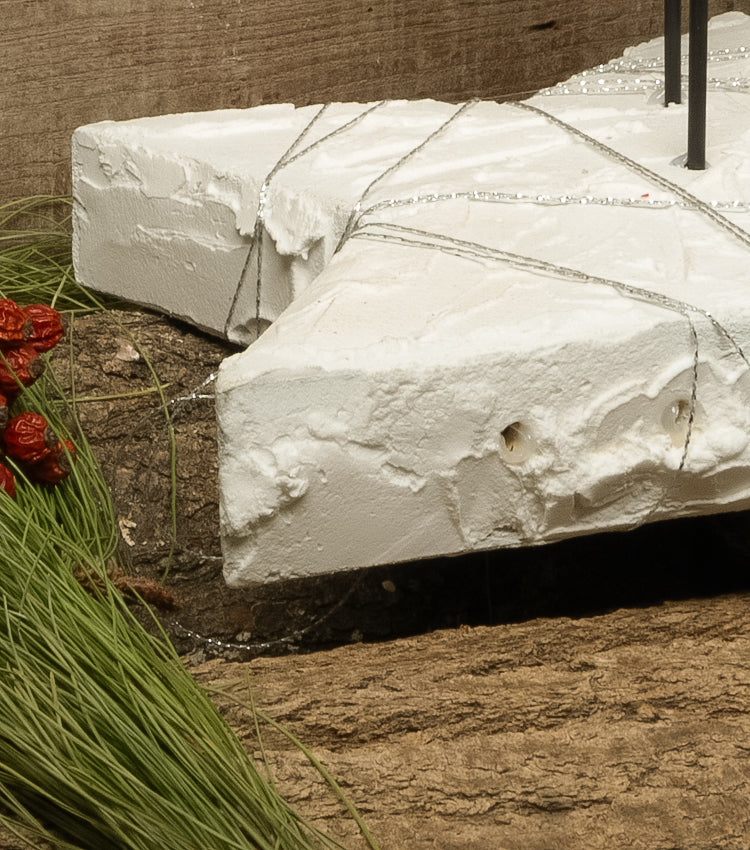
<point>25,334</point>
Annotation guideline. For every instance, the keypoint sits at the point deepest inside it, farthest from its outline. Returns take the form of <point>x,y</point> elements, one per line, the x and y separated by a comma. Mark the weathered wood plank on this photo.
<point>69,62</point>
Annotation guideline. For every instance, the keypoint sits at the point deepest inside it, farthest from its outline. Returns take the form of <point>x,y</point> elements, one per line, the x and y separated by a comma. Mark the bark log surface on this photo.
<point>625,730</point>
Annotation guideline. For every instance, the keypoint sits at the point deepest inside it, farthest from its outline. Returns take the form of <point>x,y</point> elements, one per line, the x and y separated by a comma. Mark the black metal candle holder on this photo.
<point>697,63</point>
<point>672,57</point>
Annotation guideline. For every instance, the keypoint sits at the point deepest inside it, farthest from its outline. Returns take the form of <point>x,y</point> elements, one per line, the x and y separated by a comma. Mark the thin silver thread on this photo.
<point>693,396</point>
<point>354,215</point>
<point>741,85</point>
<point>707,209</point>
<point>278,643</point>
<point>692,405</point>
<point>541,199</point>
<point>193,395</point>
<point>256,241</point>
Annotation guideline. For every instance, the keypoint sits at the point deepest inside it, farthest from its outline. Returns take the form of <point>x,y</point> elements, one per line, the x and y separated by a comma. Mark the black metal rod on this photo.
<point>697,63</point>
<point>672,67</point>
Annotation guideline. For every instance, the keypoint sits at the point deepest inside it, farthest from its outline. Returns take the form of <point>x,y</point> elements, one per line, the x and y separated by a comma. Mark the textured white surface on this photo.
<point>554,350</point>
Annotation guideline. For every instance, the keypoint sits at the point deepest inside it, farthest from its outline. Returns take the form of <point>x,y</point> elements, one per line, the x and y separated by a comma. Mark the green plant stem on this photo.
<point>105,739</point>
<point>256,713</point>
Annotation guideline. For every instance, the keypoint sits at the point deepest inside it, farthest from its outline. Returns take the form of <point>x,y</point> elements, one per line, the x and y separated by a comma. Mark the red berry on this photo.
<point>47,326</point>
<point>7,481</point>
<point>14,325</point>
<point>29,439</point>
<point>20,364</point>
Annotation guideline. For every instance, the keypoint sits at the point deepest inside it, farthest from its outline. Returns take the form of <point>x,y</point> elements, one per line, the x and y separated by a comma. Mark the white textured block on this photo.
<point>531,329</point>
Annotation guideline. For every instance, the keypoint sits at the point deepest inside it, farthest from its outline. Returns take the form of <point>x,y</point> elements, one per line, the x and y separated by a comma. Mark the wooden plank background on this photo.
<point>64,63</point>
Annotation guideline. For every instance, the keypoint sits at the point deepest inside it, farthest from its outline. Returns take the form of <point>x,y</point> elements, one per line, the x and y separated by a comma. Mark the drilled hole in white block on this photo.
<point>516,443</point>
<point>675,419</point>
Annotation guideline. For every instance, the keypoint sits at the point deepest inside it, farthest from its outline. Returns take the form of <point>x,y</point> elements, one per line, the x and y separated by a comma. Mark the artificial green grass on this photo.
<point>35,255</point>
<point>105,739</point>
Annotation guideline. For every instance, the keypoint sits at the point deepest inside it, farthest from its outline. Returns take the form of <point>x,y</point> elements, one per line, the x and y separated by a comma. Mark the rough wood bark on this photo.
<point>64,63</point>
<point>628,730</point>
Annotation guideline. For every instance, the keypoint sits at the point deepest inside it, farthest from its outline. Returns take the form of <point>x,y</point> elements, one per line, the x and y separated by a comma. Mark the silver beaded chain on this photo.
<point>598,80</point>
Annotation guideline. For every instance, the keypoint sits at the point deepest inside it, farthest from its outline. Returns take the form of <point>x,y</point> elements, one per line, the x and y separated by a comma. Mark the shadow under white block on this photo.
<point>493,325</point>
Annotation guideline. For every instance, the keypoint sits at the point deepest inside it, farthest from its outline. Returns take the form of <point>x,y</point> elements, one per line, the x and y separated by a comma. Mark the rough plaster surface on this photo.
<point>488,329</point>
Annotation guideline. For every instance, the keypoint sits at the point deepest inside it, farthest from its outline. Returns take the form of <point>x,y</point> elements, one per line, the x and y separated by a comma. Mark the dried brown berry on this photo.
<point>14,325</point>
<point>133,588</point>
<point>29,438</point>
<point>20,364</point>
<point>4,408</point>
<point>7,481</point>
<point>55,466</point>
<point>46,326</point>
<point>51,470</point>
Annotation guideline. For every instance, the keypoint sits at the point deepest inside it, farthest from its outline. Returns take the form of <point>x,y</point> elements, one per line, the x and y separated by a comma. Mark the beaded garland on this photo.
<point>595,80</point>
